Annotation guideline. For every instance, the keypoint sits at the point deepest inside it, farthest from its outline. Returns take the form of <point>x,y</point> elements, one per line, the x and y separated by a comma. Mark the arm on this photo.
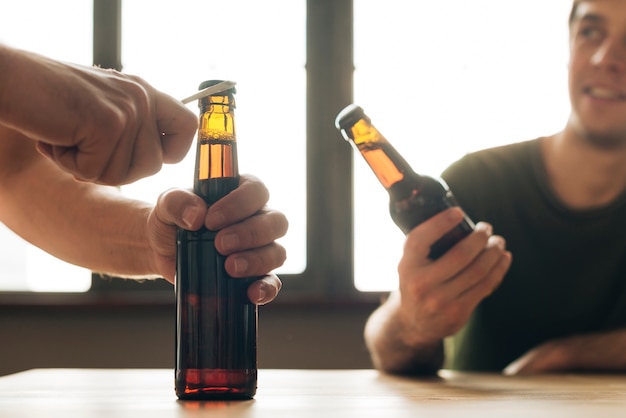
<point>389,343</point>
<point>98,228</point>
<point>99,125</point>
<point>601,351</point>
<point>48,208</point>
<point>435,298</point>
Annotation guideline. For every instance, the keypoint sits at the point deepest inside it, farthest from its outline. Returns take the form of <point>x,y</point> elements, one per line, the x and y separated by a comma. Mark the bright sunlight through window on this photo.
<point>445,79</point>
<point>439,79</point>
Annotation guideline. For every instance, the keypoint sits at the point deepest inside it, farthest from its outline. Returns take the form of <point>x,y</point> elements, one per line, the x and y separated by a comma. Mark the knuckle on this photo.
<point>456,314</point>
<point>270,258</point>
<point>482,270</point>
<point>248,237</point>
<point>112,120</point>
<point>258,263</point>
<point>263,191</point>
<point>432,305</point>
<point>280,255</point>
<point>279,224</point>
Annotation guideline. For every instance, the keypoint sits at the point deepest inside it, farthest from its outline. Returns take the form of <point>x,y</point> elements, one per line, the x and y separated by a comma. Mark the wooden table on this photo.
<point>113,393</point>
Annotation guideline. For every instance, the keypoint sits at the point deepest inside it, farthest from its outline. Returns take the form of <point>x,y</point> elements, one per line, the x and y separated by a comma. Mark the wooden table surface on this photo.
<point>113,393</point>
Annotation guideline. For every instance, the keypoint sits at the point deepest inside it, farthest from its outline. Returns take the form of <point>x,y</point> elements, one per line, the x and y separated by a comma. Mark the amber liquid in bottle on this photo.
<point>216,324</point>
<point>413,198</point>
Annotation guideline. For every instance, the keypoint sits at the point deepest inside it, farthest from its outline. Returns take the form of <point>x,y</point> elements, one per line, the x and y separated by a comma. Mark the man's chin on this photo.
<point>608,141</point>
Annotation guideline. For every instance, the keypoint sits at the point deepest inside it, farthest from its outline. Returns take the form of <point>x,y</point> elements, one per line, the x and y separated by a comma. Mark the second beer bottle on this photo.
<point>216,324</point>
<point>413,197</point>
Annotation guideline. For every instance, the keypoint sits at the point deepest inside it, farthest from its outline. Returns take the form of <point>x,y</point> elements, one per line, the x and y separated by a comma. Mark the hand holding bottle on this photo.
<point>438,296</point>
<point>247,233</point>
<point>99,125</point>
<point>448,265</point>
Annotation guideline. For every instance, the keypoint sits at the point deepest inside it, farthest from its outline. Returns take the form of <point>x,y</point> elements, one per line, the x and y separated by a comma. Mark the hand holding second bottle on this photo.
<point>437,297</point>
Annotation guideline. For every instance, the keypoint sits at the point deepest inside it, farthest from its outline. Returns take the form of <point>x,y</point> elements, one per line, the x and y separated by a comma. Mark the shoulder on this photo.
<point>496,160</point>
<point>498,174</point>
<point>504,164</point>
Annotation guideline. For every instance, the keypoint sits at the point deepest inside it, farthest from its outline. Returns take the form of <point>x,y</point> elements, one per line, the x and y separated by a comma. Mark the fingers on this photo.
<point>243,202</point>
<point>487,272</point>
<point>115,141</point>
<point>519,366</point>
<point>264,290</point>
<point>440,295</point>
<point>182,208</point>
<point>461,254</point>
<point>431,231</point>
<point>259,230</point>
<point>249,244</point>
<point>176,125</point>
<point>549,356</point>
<point>419,241</point>
<point>255,262</point>
<point>113,128</point>
<point>248,229</point>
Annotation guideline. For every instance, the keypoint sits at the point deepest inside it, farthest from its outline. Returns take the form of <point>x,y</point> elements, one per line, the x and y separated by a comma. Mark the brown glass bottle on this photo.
<point>216,324</point>
<point>413,198</point>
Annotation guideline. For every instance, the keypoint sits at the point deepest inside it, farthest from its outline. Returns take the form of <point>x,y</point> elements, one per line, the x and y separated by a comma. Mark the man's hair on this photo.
<point>572,13</point>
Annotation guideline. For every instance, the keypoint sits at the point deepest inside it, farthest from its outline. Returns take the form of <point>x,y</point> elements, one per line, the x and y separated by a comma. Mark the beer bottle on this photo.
<point>216,324</point>
<point>413,197</point>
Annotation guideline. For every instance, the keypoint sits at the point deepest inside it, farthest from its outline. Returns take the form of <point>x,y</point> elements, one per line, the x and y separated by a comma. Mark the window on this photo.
<point>443,80</point>
<point>439,79</point>
<point>177,45</point>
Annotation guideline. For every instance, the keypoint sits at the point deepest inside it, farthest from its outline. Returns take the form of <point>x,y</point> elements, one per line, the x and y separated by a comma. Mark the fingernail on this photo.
<point>189,216</point>
<point>510,370</point>
<point>483,226</point>
<point>241,265</point>
<point>262,293</point>
<point>230,241</point>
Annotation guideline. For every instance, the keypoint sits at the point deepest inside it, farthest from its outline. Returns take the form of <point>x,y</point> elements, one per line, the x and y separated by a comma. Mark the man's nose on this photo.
<point>611,55</point>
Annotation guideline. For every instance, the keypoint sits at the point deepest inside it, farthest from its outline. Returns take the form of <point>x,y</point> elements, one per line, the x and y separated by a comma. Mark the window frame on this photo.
<point>329,273</point>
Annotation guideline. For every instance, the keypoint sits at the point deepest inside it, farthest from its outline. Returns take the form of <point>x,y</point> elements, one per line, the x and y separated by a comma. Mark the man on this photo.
<point>560,202</point>
<point>61,122</point>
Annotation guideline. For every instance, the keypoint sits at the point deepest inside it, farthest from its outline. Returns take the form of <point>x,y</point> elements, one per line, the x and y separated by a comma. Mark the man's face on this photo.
<point>597,71</point>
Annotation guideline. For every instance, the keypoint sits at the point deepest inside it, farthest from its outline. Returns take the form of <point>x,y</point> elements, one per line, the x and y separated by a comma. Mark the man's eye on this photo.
<point>590,32</point>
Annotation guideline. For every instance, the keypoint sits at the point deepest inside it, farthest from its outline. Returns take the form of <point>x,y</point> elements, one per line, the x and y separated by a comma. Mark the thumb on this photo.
<point>181,208</point>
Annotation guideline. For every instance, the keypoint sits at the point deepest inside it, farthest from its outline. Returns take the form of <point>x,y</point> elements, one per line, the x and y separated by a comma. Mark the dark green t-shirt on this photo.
<point>568,274</point>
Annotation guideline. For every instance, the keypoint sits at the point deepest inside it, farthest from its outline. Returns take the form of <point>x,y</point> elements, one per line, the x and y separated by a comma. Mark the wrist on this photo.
<point>129,253</point>
<point>403,324</point>
<point>148,265</point>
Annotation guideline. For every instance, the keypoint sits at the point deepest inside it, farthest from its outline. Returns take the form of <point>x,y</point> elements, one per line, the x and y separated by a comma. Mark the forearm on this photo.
<point>82,223</point>
<point>392,350</point>
<point>597,351</point>
<point>45,99</point>
<point>21,84</point>
<point>600,351</point>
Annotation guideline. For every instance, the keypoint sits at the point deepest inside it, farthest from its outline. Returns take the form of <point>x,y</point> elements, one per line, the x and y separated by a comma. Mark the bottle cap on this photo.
<point>350,115</point>
<point>211,87</point>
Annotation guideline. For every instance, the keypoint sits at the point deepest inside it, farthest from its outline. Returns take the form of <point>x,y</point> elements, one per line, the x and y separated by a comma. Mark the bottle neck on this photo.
<point>217,171</point>
<point>385,161</point>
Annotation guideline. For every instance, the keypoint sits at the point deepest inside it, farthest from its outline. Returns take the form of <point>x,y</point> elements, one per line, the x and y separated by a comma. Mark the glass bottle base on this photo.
<point>215,384</point>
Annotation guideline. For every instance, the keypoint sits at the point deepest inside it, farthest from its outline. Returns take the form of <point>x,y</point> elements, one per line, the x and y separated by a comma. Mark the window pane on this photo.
<point>176,45</point>
<point>61,29</point>
<point>445,79</point>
